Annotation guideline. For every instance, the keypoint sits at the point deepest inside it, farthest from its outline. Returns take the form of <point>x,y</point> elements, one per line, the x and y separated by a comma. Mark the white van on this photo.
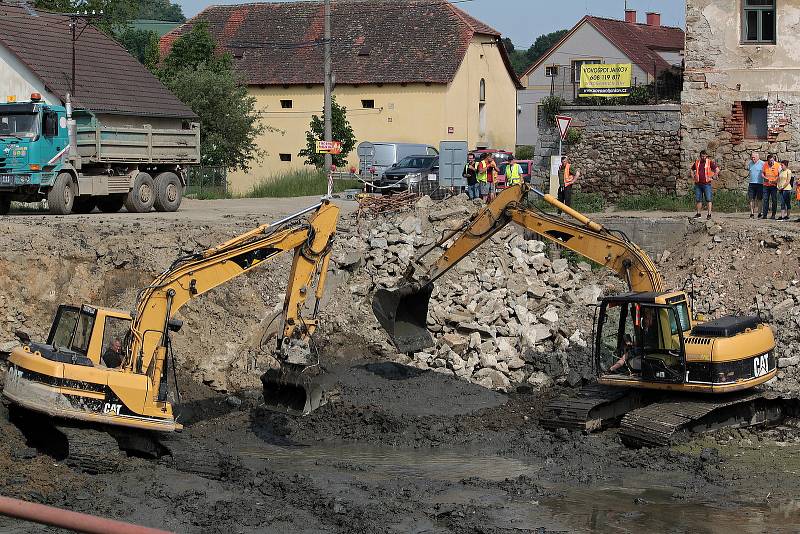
<point>376,158</point>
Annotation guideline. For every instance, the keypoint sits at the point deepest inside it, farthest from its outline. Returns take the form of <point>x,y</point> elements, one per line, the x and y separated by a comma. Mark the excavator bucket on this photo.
<point>403,313</point>
<point>293,389</point>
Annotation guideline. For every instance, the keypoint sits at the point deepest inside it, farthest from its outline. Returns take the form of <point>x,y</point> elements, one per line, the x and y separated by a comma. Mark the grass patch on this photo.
<point>299,183</point>
<point>724,201</point>
<point>208,194</point>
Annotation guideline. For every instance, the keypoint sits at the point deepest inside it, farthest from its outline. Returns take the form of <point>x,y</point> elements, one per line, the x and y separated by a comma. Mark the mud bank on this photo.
<point>404,450</point>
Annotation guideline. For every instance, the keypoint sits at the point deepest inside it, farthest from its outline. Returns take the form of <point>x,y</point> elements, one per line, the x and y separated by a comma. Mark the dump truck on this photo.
<point>69,158</point>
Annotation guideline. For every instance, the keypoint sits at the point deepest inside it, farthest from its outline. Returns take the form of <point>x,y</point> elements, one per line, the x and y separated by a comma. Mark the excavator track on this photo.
<point>194,458</point>
<point>91,451</point>
<point>593,408</point>
<point>672,420</point>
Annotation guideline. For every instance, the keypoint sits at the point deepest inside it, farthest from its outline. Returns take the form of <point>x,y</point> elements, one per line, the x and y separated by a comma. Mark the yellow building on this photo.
<point>415,71</point>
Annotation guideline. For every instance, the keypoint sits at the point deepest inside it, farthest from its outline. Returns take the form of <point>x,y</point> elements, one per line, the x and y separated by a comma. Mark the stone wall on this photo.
<point>622,149</point>
<point>722,76</point>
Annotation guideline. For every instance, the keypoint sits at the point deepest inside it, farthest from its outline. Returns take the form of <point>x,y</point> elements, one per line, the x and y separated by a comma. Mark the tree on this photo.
<point>116,13</point>
<point>521,60</point>
<point>542,44</point>
<point>142,44</point>
<point>160,10</point>
<point>342,132</point>
<point>206,82</point>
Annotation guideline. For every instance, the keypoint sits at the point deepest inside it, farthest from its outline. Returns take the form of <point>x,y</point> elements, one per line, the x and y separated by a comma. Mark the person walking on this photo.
<point>470,173</point>
<point>755,189</point>
<point>770,173</point>
<point>482,176</point>
<point>785,186</point>
<point>704,170</point>
<point>513,173</point>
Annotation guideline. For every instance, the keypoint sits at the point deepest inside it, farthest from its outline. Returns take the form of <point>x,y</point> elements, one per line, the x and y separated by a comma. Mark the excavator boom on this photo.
<point>403,311</point>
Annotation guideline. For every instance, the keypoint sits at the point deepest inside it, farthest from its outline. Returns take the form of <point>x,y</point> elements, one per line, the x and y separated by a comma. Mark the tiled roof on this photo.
<point>380,41</point>
<point>639,42</point>
<point>108,78</point>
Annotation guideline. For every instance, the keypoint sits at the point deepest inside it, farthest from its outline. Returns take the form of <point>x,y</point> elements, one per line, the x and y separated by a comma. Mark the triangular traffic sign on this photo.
<point>563,125</point>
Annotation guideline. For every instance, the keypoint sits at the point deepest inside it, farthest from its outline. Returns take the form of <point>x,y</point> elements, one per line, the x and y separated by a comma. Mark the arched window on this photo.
<point>482,92</point>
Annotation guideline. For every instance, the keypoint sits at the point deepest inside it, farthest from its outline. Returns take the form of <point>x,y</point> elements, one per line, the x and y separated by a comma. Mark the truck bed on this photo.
<point>99,144</point>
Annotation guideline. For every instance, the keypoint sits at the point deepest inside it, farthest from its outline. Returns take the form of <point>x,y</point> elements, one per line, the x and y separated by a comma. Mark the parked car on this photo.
<point>526,165</point>
<point>376,158</point>
<point>409,170</point>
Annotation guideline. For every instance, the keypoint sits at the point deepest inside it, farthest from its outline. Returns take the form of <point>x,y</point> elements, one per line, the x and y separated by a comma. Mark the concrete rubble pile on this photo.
<point>741,270</point>
<point>506,316</point>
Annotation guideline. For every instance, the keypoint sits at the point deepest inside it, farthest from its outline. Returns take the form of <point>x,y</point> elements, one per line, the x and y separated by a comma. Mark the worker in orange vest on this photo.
<point>566,179</point>
<point>704,170</point>
<point>770,173</point>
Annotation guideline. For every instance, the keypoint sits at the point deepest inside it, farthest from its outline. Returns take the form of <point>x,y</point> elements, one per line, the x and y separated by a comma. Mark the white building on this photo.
<point>651,49</point>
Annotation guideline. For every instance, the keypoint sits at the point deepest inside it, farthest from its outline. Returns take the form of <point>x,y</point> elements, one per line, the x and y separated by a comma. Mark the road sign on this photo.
<point>329,147</point>
<point>563,125</point>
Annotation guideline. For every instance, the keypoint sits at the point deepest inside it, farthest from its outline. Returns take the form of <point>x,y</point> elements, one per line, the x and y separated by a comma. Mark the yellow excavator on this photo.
<point>70,376</point>
<point>645,339</point>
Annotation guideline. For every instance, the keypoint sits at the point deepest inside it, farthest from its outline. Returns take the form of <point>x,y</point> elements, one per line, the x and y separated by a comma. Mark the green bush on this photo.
<point>724,201</point>
<point>299,183</point>
<point>551,106</point>
<point>524,152</point>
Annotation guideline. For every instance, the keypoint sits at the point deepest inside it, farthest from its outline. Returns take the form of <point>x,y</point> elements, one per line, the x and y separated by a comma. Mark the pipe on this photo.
<point>75,521</point>
<point>580,217</point>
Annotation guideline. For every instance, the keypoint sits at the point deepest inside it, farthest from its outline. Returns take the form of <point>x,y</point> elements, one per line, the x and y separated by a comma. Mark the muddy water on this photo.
<point>633,504</point>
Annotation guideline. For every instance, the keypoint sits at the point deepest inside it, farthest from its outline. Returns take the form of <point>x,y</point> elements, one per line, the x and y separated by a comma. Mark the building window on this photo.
<point>482,91</point>
<point>576,67</point>
<point>755,120</point>
<point>368,104</point>
<point>286,104</point>
<point>758,21</point>
<point>551,71</point>
<point>285,157</point>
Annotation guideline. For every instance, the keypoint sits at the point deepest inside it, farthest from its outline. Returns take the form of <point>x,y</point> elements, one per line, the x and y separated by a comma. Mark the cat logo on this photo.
<point>761,365</point>
<point>112,409</point>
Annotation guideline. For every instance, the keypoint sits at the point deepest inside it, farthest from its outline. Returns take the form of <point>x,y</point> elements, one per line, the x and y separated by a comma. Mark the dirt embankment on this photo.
<point>407,444</point>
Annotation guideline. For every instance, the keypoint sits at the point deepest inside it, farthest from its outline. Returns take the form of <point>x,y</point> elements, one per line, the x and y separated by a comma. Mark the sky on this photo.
<point>524,20</point>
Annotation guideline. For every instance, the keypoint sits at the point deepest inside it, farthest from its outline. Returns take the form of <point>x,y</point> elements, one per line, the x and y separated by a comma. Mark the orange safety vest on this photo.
<point>707,173</point>
<point>771,174</point>
<point>569,179</point>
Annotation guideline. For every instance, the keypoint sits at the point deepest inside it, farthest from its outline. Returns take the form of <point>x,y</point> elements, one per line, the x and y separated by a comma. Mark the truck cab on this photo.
<point>71,159</point>
<point>33,140</point>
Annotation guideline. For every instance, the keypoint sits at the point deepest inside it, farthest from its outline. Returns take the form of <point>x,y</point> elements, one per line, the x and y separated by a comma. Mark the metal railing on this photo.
<point>207,180</point>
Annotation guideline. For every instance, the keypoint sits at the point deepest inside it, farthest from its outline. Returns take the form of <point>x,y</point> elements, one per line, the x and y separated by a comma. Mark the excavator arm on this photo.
<point>193,275</point>
<point>403,311</point>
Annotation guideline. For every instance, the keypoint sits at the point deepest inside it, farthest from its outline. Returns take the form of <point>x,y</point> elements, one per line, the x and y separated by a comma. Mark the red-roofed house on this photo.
<point>650,48</point>
<point>416,71</point>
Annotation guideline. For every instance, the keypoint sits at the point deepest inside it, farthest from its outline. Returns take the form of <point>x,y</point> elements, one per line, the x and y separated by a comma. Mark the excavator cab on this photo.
<point>640,337</point>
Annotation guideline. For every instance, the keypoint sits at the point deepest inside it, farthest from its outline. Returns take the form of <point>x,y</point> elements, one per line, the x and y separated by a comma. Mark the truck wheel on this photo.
<point>61,196</point>
<point>169,192</point>
<point>111,203</point>
<point>5,204</point>
<point>142,194</point>
<point>84,205</point>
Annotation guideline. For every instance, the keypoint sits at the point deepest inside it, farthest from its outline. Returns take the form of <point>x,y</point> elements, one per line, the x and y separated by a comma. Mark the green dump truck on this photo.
<point>77,164</point>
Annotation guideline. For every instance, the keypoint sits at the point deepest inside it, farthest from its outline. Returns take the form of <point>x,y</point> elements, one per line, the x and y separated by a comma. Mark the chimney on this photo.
<point>630,16</point>
<point>654,19</point>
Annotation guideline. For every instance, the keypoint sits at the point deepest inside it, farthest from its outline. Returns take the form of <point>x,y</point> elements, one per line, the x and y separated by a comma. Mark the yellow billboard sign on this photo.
<point>605,79</point>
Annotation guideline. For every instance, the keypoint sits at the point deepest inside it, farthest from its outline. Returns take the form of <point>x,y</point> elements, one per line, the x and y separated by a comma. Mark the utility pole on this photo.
<point>73,25</point>
<point>328,85</point>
